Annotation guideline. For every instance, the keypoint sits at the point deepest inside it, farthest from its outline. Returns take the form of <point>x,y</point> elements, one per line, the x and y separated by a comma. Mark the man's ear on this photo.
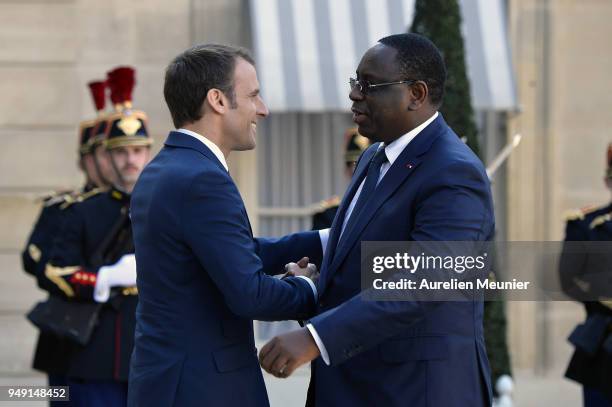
<point>216,100</point>
<point>418,94</point>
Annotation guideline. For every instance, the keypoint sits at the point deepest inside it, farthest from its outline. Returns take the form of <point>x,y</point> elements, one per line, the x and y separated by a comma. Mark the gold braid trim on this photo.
<point>606,302</point>
<point>132,290</point>
<point>81,197</point>
<point>55,275</point>
<point>34,252</point>
<point>600,220</point>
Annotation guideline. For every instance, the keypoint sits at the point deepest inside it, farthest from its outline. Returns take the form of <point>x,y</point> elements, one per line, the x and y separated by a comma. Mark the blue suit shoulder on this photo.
<point>450,144</point>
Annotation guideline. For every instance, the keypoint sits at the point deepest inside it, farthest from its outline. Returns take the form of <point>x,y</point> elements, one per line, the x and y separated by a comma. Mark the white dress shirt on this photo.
<point>219,154</point>
<point>212,146</point>
<point>392,151</point>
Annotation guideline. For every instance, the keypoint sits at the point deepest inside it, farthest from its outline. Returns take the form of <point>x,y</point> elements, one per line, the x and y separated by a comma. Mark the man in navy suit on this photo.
<point>419,182</point>
<point>202,277</point>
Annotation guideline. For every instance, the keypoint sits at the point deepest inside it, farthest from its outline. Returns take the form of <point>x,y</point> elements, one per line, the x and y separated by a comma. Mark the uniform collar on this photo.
<point>119,195</point>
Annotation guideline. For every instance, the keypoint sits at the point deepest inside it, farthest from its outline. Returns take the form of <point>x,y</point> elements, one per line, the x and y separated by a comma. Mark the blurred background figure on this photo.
<point>580,269</point>
<point>92,264</point>
<point>354,145</point>
<point>52,354</point>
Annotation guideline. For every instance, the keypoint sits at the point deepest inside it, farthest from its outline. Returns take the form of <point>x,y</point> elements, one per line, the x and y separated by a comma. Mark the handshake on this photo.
<point>302,268</point>
<point>285,353</point>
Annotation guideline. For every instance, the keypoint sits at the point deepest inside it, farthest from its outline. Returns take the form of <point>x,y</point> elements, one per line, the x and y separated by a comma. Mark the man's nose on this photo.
<point>355,94</point>
<point>132,157</point>
<point>262,109</point>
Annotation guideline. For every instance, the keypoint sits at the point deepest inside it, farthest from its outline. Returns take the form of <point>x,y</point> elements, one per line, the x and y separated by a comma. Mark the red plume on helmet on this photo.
<point>98,93</point>
<point>115,97</point>
<point>121,82</point>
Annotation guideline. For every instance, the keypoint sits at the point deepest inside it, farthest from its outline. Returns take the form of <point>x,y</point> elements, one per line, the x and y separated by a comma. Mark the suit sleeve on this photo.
<point>215,227</point>
<point>66,270</point>
<point>275,253</point>
<point>358,325</point>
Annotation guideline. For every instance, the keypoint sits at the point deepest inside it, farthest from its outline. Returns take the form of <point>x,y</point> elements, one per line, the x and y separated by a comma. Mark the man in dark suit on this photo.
<point>202,277</point>
<point>419,182</point>
<point>584,268</point>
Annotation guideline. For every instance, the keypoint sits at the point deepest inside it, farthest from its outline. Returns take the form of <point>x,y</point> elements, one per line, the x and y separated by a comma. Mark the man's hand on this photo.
<point>285,353</point>
<point>302,268</point>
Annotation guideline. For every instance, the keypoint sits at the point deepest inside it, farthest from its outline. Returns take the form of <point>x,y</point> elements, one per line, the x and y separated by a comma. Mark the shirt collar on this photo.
<point>212,146</point>
<point>395,148</point>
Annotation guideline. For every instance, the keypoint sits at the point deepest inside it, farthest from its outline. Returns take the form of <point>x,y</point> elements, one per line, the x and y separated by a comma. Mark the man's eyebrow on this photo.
<point>366,75</point>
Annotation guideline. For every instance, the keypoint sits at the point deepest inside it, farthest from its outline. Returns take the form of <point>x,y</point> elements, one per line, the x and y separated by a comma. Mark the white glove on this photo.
<point>120,274</point>
<point>504,387</point>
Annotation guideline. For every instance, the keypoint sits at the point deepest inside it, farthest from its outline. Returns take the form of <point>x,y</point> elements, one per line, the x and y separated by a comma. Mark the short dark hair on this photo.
<point>194,72</point>
<point>419,59</point>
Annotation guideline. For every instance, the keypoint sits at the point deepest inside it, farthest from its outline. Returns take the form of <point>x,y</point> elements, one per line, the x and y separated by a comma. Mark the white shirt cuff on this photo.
<point>324,236</point>
<point>312,286</point>
<point>319,343</point>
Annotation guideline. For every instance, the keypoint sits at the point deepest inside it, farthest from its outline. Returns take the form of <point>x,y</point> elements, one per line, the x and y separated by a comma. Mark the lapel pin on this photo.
<point>409,166</point>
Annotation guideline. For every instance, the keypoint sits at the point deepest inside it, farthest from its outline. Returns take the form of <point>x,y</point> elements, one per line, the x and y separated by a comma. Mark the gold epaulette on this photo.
<point>607,302</point>
<point>329,203</point>
<point>57,197</point>
<point>579,214</point>
<point>81,197</point>
<point>600,220</point>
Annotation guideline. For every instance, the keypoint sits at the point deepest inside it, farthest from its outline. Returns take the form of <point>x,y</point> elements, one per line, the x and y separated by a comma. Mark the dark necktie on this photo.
<point>368,188</point>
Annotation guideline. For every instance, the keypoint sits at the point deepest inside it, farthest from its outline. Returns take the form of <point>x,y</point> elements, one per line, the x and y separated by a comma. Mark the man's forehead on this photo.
<point>379,60</point>
<point>245,74</point>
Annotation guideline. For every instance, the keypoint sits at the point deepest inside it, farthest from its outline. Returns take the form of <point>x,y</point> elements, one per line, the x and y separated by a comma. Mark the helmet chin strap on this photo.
<point>101,176</point>
<point>120,179</point>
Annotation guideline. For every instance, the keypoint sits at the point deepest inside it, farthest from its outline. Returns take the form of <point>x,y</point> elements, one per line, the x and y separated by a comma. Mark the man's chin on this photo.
<point>367,133</point>
<point>130,178</point>
<point>250,145</point>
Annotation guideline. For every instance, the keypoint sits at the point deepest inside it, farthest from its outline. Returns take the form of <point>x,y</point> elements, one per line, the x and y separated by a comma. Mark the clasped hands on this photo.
<point>302,268</point>
<point>285,353</point>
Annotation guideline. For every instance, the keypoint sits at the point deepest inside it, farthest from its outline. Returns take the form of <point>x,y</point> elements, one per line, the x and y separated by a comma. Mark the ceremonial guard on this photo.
<point>585,272</point>
<point>52,354</point>
<point>354,145</point>
<point>93,261</point>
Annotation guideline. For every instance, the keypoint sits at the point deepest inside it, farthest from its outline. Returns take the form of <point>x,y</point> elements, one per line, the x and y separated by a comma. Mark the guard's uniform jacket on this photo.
<point>52,354</point>
<point>324,218</point>
<point>591,363</point>
<point>75,261</point>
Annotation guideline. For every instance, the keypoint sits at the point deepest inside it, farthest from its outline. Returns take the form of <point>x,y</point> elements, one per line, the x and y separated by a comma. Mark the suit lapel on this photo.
<point>404,166</point>
<point>357,179</point>
<point>336,227</point>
